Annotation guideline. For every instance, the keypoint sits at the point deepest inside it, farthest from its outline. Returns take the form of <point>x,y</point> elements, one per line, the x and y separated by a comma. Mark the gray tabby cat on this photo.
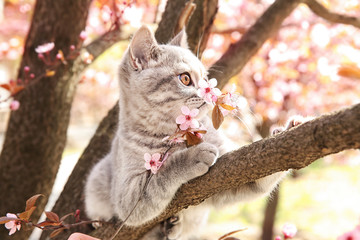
<point>155,82</point>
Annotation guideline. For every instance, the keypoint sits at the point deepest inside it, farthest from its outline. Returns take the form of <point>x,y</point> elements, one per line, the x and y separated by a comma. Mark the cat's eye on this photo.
<point>185,79</point>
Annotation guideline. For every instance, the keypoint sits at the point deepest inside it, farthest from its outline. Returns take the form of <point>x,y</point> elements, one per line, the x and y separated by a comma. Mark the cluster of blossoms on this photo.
<point>189,128</point>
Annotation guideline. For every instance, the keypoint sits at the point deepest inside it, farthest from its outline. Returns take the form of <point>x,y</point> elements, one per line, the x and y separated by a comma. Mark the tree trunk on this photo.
<point>270,213</point>
<point>36,133</point>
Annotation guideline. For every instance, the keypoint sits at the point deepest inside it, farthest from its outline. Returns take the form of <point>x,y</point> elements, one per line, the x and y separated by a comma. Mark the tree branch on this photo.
<point>239,53</point>
<point>293,149</point>
<point>321,11</point>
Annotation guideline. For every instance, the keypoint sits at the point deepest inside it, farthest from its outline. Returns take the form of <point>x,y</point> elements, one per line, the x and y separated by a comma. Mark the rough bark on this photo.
<point>293,149</point>
<point>264,28</point>
<point>36,133</point>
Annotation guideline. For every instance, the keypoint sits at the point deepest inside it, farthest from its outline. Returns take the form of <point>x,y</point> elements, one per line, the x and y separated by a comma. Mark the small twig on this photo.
<point>332,17</point>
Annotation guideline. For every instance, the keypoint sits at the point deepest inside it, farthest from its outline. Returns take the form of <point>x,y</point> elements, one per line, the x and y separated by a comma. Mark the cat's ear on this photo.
<point>180,39</point>
<point>142,48</point>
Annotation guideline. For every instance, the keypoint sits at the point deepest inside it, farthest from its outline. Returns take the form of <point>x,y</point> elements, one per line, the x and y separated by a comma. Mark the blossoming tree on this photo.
<point>49,75</point>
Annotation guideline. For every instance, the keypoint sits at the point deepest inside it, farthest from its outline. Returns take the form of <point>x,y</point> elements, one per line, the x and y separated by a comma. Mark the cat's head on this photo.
<point>160,78</point>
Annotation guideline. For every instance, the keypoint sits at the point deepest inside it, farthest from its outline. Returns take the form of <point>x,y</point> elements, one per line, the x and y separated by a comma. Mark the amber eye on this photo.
<point>185,79</point>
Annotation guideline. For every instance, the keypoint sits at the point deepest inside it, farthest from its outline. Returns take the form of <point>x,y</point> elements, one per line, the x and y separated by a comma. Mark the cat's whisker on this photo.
<point>244,123</point>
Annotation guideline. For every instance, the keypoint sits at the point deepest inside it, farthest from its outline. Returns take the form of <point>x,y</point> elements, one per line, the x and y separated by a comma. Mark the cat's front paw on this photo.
<point>202,157</point>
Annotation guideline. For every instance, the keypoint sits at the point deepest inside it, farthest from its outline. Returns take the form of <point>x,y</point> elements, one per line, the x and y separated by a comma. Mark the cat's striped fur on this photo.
<point>151,96</point>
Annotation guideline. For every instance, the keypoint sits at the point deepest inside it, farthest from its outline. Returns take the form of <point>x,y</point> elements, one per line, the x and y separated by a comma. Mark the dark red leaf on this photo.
<point>217,117</point>
<point>31,201</point>
<point>66,216</point>
<point>27,214</point>
<point>56,232</point>
<point>192,139</point>
<point>52,216</point>
<point>49,223</point>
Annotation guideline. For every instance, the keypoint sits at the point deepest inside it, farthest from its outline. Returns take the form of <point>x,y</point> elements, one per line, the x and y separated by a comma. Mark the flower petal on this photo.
<point>194,112</point>
<point>212,83</point>
<point>194,123</point>
<point>11,215</point>
<point>185,110</point>
<point>180,119</point>
<point>12,230</point>
<point>18,226</point>
<point>216,91</point>
<point>154,169</point>
<point>207,98</point>
<point>10,225</point>
<point>156,157</point>
<point>184,126</point>
<point>147,157</point>
<point>203,84</point>
<point>200,92</point>
<point>147,165</point>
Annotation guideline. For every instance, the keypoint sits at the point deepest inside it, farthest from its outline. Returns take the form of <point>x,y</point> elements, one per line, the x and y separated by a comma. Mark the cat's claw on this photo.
<point>173,227</point>
<point>294,121</point>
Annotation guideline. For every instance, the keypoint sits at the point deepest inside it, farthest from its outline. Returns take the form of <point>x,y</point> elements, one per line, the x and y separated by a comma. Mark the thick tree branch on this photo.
<point>293,149</point>
<point>239,53</point>
<point>321,11</point>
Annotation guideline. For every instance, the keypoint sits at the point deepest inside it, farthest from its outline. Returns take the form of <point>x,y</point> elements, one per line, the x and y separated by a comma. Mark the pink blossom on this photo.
<point>352,235</point>
<point>83,35</point>
<point>208,90</point>
<point>228,100</point>
<point>14,105</point>
<point>277,238</point>
<point>44,48</point>
<point>12,225</point>
<point>186,120</point>
<point>152,162</point>
<point>289,230</point>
